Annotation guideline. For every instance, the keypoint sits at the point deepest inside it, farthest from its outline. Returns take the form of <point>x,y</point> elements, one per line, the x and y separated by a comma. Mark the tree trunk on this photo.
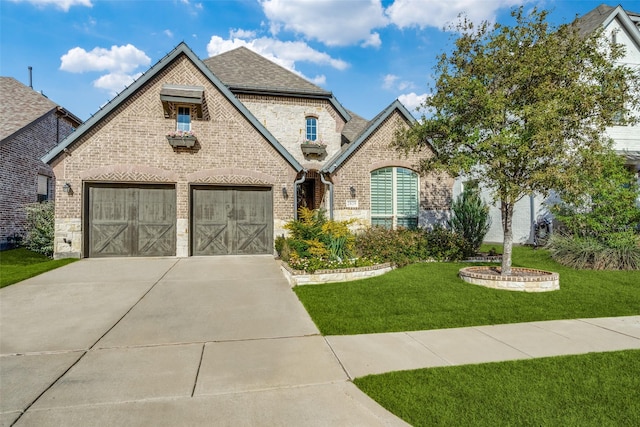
<point>506,210</point>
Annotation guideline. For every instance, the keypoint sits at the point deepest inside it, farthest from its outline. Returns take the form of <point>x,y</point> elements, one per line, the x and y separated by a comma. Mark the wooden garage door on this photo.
<point>131,221</point>
<point>230,221</point>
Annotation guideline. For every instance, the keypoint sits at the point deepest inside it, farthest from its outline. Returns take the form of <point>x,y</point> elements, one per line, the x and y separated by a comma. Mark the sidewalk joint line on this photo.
<point>195,383</point>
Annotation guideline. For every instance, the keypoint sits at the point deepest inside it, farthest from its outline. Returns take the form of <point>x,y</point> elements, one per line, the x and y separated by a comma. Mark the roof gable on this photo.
<point>20,106</point>
<point>336,161</point>
<point>245,71</point>
<point>603,15</point>
<point>181,49</point>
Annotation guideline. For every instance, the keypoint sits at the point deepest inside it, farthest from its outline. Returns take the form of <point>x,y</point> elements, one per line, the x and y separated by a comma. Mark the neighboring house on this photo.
<point>623,27</point>
<point>30,126</point>
<point>249,143</point>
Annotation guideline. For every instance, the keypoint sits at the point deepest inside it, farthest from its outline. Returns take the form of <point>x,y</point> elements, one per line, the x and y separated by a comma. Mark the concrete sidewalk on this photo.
<point>369,354</point>
<point>222,341</point>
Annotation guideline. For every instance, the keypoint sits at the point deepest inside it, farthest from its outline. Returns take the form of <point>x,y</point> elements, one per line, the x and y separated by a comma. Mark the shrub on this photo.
<point>609,207</point>
<point>470,219</point>
<point>402,246</point>
<point>40,228</point>
<point>399,247</point>
<point>620,251</point>
<point>446,245</point>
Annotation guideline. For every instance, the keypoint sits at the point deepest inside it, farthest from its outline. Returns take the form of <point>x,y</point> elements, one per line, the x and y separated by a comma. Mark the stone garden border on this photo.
<point>298,277</point>
<point>522,279</point>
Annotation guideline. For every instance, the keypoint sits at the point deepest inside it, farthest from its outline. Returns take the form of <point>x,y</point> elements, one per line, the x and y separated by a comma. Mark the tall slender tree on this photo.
<point>522,108</point>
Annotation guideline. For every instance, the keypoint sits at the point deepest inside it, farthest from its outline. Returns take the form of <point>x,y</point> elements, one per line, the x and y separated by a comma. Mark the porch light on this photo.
<point>352,190</point>
<point>66,188</point>
<point>285,193</point>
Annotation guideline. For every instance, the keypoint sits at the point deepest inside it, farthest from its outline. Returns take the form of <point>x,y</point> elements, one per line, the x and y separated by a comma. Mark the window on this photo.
<point>184,119</point>
<point>394,198</point>
<point>312,129</point>
<point>43,188</point>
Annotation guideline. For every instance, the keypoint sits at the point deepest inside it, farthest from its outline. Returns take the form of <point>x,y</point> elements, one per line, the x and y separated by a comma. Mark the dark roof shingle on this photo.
<point>19,106</point>
<point>242,68</point>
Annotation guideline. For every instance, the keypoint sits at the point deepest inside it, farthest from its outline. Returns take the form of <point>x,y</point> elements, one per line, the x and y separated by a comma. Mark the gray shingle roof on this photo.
<point>354,127</point>
<point>242,69</point>
<point>594,19</point>
<point>19,106</point>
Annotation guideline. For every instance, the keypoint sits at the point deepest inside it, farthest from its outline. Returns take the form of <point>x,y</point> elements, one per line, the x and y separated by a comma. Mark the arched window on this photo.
<point>311,128</point>
<point>394,197</point>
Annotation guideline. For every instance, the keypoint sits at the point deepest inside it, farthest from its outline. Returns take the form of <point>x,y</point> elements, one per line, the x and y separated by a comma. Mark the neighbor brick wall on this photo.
<point>20,165</point>
<point>129,145</point>
<point>375,153</point>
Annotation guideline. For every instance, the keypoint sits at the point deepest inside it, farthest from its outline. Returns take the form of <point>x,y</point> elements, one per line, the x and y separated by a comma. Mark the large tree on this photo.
<point>522,108</point>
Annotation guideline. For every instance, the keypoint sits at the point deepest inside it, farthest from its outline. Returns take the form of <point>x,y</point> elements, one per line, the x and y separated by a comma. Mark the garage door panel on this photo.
<point>232,221</point>
<point>131,221</point>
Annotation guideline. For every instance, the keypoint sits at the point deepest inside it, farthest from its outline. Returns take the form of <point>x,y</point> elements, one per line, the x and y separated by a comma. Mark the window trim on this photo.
<point>307,118</point>
<point>178,115</point>
<point>395,216</point>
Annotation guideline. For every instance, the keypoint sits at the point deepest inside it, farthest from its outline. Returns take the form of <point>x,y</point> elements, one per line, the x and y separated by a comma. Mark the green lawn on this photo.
<point>431,296</point>
<point>597,389</point>
<point>20,264</point>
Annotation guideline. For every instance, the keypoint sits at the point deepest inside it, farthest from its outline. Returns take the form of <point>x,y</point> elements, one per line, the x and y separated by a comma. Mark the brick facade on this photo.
<point>127,144</point>
<point>20,166</point>
<point>376,153</point>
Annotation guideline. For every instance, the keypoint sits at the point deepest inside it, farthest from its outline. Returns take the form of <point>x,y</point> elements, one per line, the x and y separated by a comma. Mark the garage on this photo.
<point>231,220</point>
<point>130,220</point>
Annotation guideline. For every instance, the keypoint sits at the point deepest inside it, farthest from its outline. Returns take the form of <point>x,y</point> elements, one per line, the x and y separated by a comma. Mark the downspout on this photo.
<point>330,184</point>
<point>295,193</point>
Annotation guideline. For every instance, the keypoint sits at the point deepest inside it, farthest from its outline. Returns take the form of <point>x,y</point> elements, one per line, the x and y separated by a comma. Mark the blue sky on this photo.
<point>367,52</point>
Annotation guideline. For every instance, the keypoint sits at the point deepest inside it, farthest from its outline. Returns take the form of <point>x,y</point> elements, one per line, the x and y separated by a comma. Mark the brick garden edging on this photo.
<point>298,277</point>
<point>522,279</point>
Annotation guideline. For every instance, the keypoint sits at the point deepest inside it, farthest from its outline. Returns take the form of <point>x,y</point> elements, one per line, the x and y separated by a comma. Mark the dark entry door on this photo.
<point>131,221</point>
<point>232,221</point>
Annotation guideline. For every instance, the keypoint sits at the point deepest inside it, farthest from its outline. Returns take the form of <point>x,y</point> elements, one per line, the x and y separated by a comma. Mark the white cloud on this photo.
<point>242,34</point>
<point>439,13</point>
<point>123,59</point>
<point>372,41</point>
<point>115,82</point>
<point>60,4</point>
<point>393,82</point>
<point>333,22</point>
<point>168,33</point>
<point>413,101</point>
<point>119,62</point>
<point>389,81</point>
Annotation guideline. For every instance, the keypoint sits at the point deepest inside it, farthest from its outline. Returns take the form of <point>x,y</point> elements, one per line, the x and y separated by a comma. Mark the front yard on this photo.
<point>431,296</point>
<point>597,389</point>
<point>586,390</point>
<point>20,264</point>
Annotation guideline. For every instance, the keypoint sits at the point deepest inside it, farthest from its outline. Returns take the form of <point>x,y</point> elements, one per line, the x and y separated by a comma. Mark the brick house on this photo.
<point>213,157</point>
<point>30,126</point>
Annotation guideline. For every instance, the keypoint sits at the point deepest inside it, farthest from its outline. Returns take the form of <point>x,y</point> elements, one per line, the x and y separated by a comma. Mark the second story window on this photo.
<point>184,119</point>
<point>312,129</point>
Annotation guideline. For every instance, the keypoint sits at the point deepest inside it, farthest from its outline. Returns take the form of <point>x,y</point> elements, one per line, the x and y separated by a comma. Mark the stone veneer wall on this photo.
<point>376,153</point>
<point>285,119</point>
<point>129,145</point>
<point>20,166</point>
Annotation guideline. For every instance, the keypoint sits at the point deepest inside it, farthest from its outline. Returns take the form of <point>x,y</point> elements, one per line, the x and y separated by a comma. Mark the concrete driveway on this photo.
<point>166,341</point>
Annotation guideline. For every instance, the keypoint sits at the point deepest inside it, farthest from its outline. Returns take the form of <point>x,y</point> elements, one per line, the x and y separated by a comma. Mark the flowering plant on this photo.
<point>181,133</point>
